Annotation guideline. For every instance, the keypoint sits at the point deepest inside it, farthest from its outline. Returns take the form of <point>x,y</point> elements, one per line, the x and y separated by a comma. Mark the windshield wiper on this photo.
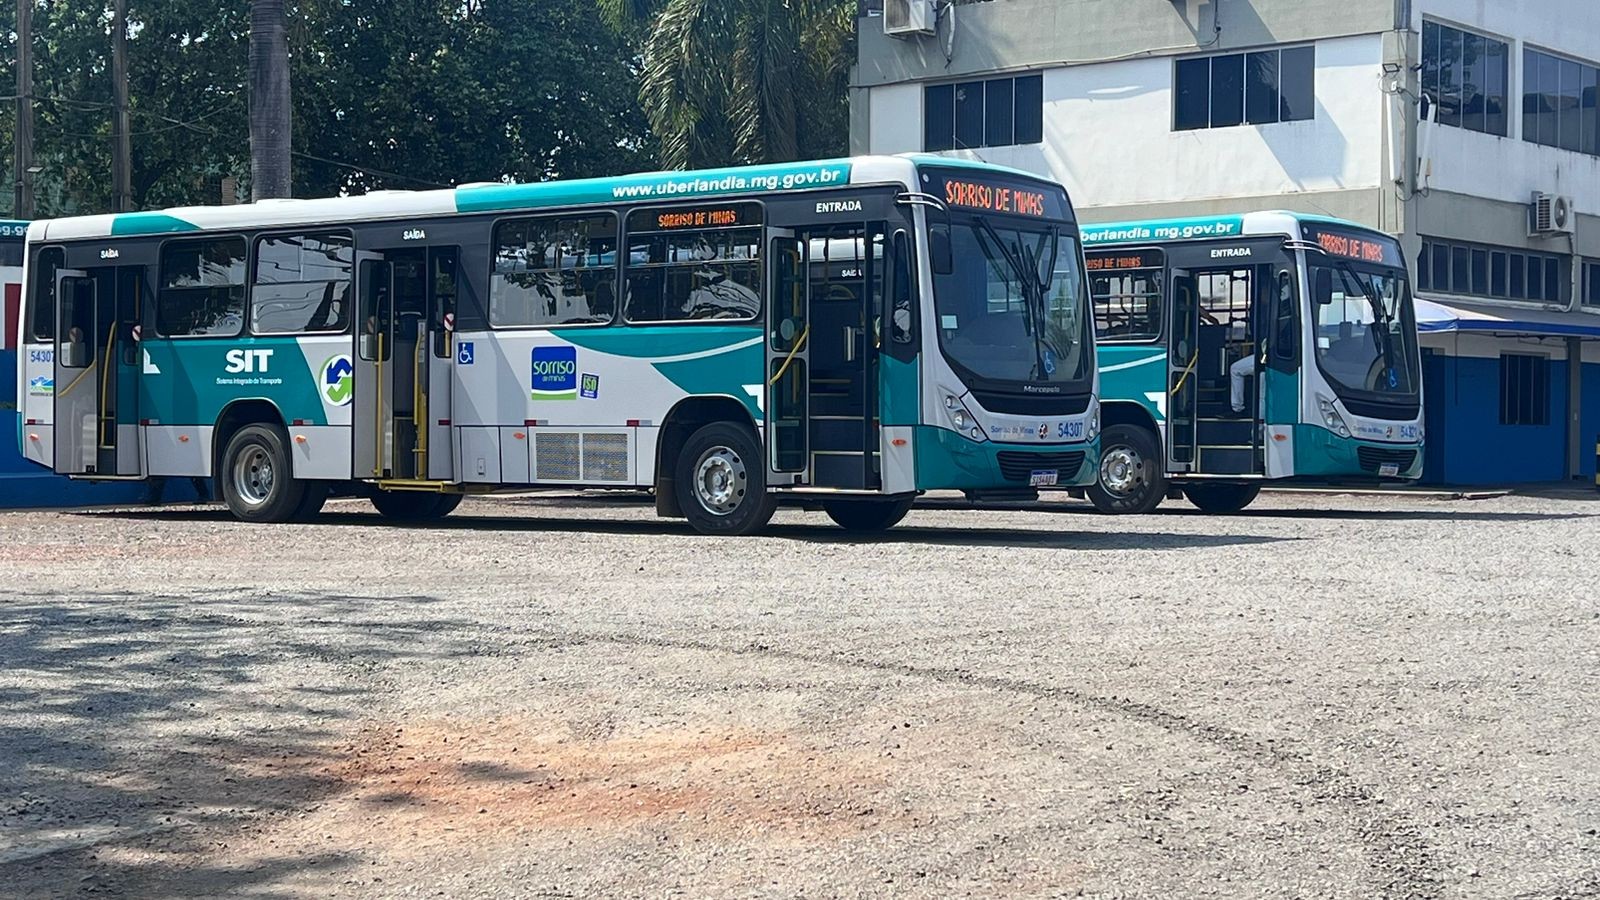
<point>1032,297</point>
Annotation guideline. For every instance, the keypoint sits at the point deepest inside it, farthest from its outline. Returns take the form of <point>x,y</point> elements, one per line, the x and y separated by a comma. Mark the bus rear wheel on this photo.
<point>1221,499</point>
<point>1131,479</point>
<point>722,481</point>
<point>414,506</point>
<point>256,479</point>
<point>868,515</point>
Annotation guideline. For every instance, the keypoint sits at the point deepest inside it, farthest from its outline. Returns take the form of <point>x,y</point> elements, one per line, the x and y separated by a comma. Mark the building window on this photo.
<point>302,284</point>
<point>1524,389</point>
<point>554,271</point>
<point>1465,78</point>
<point>202,288</point>
<point>694,263</point>
<point>997,112</point>
<point>1500,273</point>
<point>1559,98</point>
<point>1257,88</point>
<point>1591,282</point>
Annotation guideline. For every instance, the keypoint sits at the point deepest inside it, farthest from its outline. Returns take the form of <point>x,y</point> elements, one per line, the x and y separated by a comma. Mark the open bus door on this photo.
<point>1183,354</point>
<point>78,359</point>
<point>787,405</point>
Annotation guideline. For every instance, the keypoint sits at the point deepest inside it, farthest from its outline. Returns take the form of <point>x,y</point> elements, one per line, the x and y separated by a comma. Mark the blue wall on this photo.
<point>1469,446</point>
<point>1590,416</point>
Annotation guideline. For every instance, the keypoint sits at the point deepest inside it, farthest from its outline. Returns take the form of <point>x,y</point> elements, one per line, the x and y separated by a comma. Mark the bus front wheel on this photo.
<point>1131,477</point>
<point>414,506</point>
<point>722,481</point>
<point>256,479</point>
<point>867,515</point>
<point>1221,499</point>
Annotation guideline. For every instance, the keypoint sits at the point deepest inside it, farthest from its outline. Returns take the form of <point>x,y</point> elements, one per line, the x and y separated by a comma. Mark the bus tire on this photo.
<point>722,481</point>
<point>1132,479</point>
<point>865,516</point>
<point>311,506</point>
<point>1220,499</point>
<point>256,480</point>
<point>414,506</point>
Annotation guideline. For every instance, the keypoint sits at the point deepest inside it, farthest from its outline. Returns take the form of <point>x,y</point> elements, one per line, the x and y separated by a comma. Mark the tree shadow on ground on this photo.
<point>135,731</point>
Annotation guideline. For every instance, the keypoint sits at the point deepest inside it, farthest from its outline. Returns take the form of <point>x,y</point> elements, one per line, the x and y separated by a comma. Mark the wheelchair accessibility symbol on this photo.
<point>464,353</point>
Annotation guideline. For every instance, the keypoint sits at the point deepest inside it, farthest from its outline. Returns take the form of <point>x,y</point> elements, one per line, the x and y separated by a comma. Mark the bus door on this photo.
<point>787,362</point>
<point>404,351</point>
<point>96,371</point>
<point>1183,357</point>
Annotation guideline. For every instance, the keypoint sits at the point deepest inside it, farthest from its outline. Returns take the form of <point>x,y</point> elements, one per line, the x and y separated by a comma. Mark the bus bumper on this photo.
<point>948,461</point>
<point>1319,453</point>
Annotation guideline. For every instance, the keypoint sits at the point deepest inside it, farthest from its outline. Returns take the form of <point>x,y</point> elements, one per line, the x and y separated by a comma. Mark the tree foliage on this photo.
<point>398,94</point>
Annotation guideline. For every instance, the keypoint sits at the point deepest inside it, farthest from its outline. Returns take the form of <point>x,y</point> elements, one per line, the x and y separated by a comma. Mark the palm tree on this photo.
<point>269,100</point>
<point>742,81</point>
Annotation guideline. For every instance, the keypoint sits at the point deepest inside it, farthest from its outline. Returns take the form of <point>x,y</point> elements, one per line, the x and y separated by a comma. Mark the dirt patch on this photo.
<point>420,785</point>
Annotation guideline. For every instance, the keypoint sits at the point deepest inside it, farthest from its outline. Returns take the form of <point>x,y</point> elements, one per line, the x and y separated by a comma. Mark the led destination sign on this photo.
<point>1354,245</point>
<point>1011,197</point>
<point>1119,261</point>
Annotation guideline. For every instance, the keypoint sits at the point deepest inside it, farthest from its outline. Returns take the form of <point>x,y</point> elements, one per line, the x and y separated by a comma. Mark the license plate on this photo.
<point>1389,470</point>
<point>1044,478</point>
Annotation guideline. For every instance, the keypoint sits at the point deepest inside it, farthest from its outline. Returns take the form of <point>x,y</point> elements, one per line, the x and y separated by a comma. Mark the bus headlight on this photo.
<point>962,418</point>
<point>1092,430</point>
<point>1332,419</point>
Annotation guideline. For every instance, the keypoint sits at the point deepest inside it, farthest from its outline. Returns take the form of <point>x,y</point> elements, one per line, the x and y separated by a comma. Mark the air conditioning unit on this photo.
<point>910,18</point>
<point>1550,214</point>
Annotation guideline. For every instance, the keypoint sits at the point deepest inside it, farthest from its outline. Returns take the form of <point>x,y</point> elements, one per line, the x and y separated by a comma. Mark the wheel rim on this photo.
<point>1122,471</point>
<point>253,476</point>
<point>720,481</point>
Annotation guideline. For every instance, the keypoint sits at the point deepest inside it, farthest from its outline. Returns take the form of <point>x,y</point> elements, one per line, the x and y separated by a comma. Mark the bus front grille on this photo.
<point>1374,458</point>
<point>1019,465</point>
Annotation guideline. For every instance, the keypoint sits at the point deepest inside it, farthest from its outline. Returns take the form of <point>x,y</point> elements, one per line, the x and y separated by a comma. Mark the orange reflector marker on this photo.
<point>1280,437</point>
<point>518,435</point>
<point>898,442</point>
<point>183,439</point>
<point>33,437</point>
<point>299,439</point>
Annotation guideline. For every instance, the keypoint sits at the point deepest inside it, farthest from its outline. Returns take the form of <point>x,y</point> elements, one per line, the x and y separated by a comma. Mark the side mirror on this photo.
<point>1322,290</point>
<point>939,250</point>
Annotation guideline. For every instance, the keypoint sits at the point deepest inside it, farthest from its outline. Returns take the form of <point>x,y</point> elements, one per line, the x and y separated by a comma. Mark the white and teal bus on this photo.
<point>843,334</point>
<point>1246,349</point>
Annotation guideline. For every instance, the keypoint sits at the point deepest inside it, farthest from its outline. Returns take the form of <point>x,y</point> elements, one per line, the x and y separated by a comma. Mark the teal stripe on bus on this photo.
<point>655,186</point>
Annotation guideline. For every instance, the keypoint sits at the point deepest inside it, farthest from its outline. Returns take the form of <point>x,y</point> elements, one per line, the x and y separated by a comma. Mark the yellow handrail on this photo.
<point>801,342</point>
<point>105,384</point>
<point>377,411</point>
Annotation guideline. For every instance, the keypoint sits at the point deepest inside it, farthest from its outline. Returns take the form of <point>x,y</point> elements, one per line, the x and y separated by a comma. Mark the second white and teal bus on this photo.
<point>1245,350</point>
<point>844,334</point>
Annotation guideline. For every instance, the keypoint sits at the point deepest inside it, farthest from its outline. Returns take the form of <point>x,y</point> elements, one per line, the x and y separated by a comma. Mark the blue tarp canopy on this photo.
<point>1435,317</point>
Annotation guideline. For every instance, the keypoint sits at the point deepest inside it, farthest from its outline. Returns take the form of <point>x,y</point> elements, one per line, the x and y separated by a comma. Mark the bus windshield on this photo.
<point>1012,309</point>
<point>1365,328</point>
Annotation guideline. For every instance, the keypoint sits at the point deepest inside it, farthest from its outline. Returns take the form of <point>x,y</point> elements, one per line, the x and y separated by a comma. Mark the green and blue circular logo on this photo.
<point>338,382</point>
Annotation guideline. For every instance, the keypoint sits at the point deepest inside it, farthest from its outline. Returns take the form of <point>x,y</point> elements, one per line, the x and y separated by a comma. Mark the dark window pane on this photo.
<point>939,117</point>
<point>1570,101</point>
<point>1425,267</point>
<point>1192,106</point>
<point>1450,41</point>
<point>1554,291</point>
<point>1593,296</point>
<point>1535,278</point>
<point>554,271</point>
<point>1518,289</point>
<point>1495,89</point>
<point>1480,272</point>
<point>1030,109</point>
<point>1430,61</point>
<point>694,273</point>
<point>1460,266</point>
<point>1590,117</point>
<point>1531,99</point>
<point>1472,77</point>
<point>997,106</point>
<point>1441,267</point>
<point>202,288</point>
<point>42,311</point>
<point>1227,90</point>
<point>1497,275</point>
<point>302,284</point>
<point>1261,88</point>
<point>969,114</point>
<point>1297,84</point>
<point>1549,100</point>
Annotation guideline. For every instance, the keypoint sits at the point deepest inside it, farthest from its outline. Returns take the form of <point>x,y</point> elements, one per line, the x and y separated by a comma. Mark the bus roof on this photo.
<point>495,197</point>
<point>1160,231</point>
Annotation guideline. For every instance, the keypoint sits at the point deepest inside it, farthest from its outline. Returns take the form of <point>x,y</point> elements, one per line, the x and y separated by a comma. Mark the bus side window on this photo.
<point>42,308</point>
<point>1286,322</point>
<point>902,301</point>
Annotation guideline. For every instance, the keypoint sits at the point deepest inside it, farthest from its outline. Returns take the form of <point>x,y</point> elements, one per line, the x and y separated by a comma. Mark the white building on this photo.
<point>1435,120</point>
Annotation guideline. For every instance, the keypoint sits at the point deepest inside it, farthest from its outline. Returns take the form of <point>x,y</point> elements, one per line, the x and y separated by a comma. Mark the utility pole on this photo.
<point>269,100</point>
<point>22,196</point>
<point>122,147</point>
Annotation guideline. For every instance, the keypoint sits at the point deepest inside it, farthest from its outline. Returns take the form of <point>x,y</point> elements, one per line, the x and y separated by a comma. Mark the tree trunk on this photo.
<point>269,100</point>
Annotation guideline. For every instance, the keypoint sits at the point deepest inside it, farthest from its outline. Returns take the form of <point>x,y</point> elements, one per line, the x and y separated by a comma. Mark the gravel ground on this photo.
<point>566,697</point>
